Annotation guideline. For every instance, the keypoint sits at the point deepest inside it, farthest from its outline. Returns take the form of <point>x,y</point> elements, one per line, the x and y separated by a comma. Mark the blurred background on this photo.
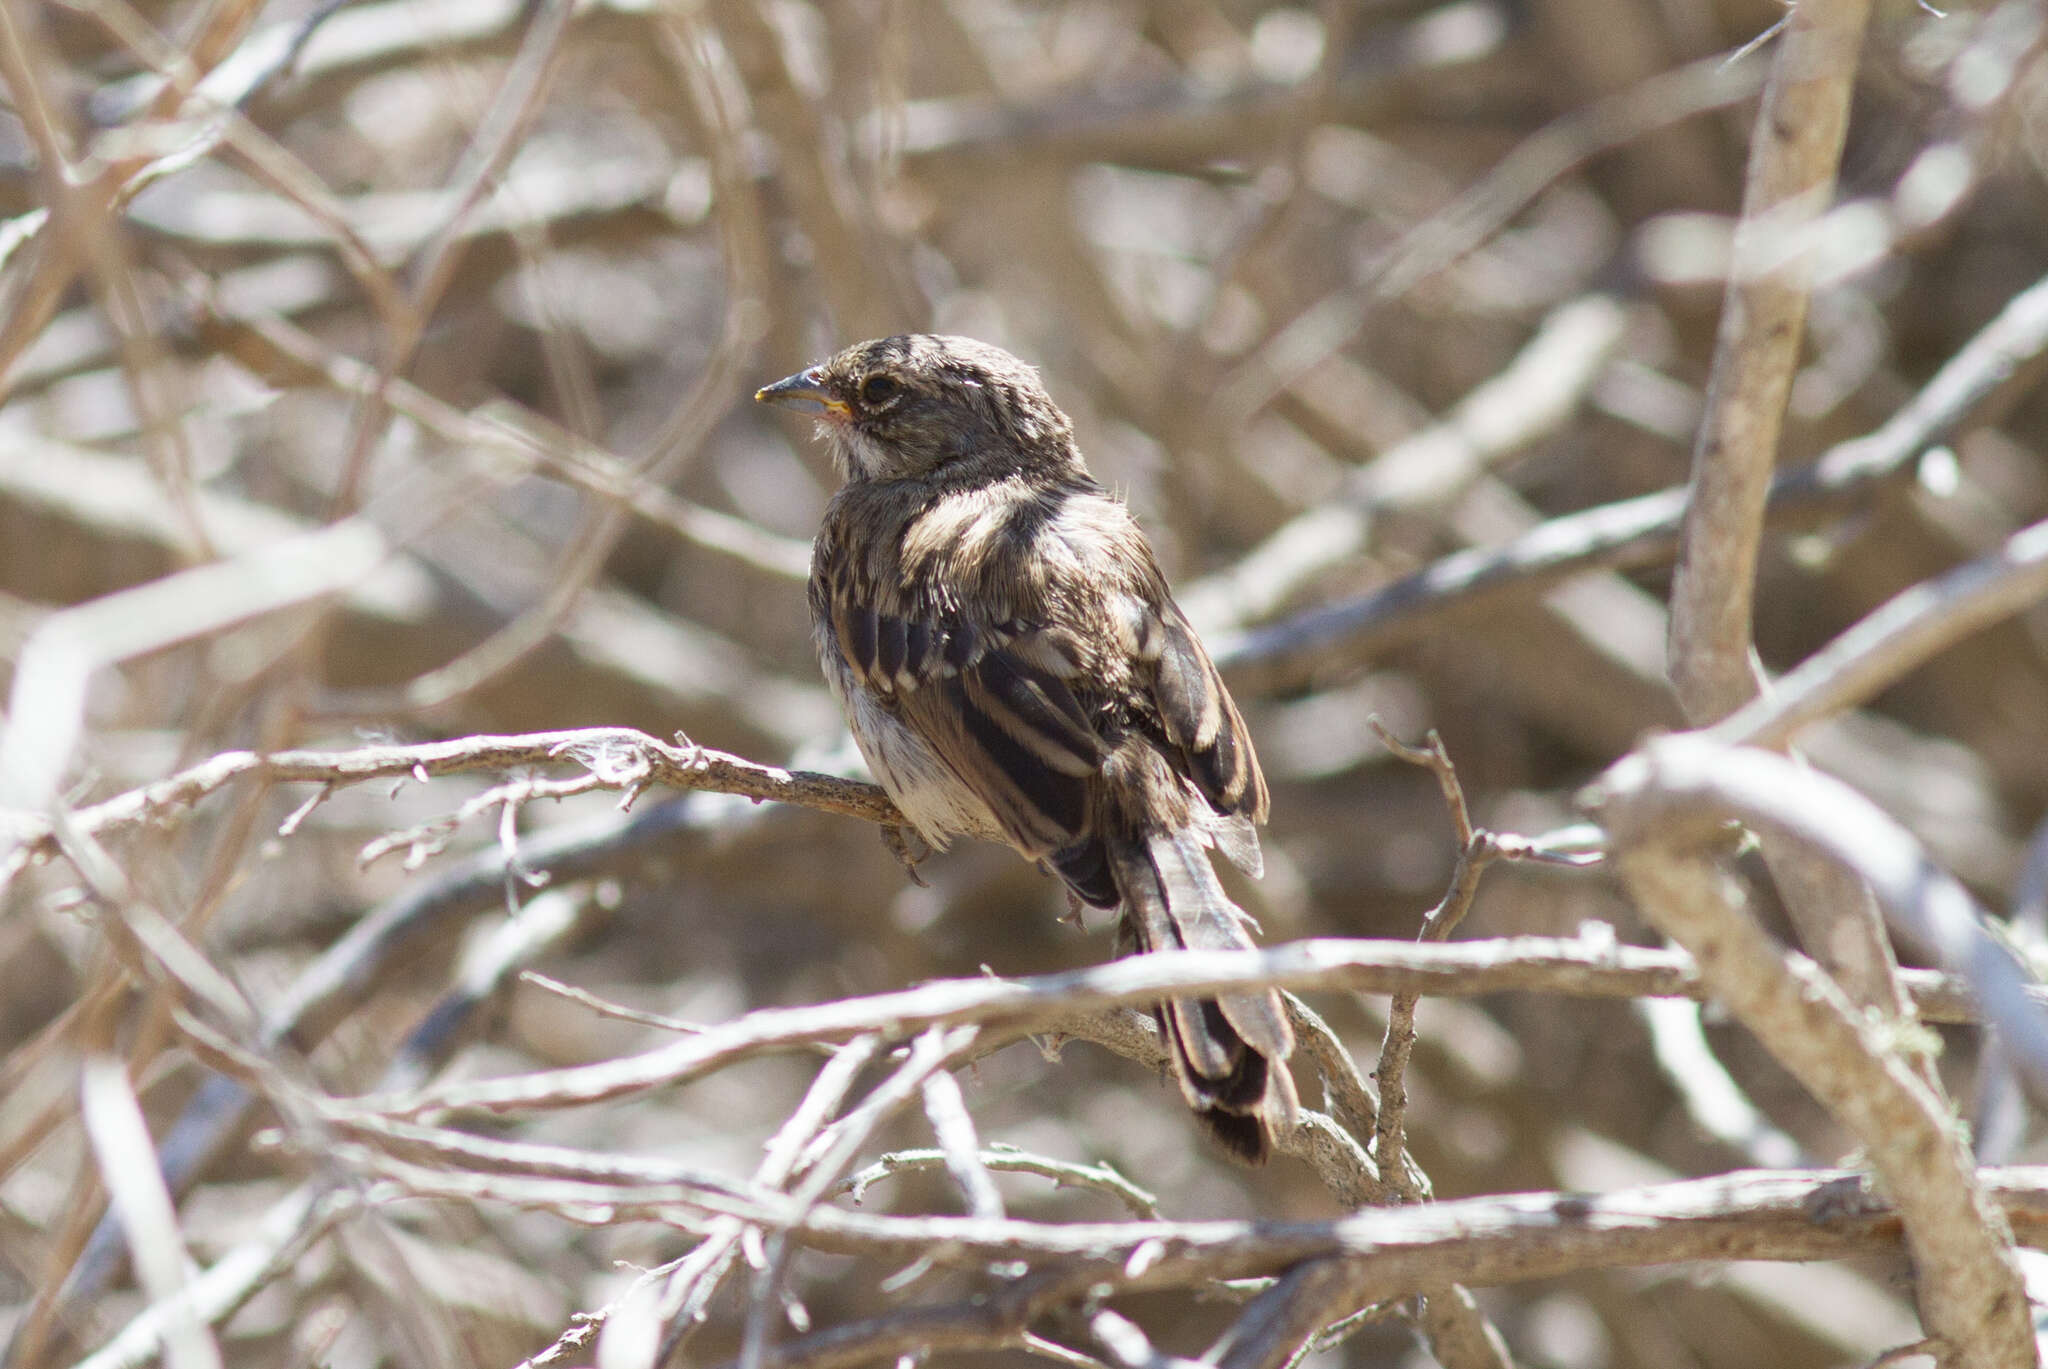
<point>1332,293</point>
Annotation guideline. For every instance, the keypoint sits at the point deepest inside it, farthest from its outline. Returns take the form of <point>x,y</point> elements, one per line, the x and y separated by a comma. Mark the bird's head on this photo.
<point>919,406</point>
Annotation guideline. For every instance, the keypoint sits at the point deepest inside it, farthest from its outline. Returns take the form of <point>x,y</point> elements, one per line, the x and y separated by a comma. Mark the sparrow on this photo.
<point>1013,666</point>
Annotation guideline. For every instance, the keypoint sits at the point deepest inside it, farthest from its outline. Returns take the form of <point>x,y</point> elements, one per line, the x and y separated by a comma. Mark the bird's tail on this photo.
<point>1229,1053</point>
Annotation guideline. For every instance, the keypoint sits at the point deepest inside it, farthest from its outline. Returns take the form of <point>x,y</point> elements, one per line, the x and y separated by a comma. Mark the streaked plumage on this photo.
<point>1013,666</point>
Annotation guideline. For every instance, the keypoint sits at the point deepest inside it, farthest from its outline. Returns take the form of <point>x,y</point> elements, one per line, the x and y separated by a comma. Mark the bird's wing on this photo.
<point>1198,715</point>
<point>996,702</point>
<point>1017,706</point>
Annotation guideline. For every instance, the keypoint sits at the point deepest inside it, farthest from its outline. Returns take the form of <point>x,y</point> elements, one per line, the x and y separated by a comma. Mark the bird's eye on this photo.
<point>878,389</point>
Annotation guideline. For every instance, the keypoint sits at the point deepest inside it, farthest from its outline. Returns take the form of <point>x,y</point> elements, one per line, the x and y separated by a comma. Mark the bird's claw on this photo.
<point>898,840</point>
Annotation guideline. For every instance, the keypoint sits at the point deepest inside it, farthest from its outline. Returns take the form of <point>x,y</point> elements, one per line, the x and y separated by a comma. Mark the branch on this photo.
<point>1537,394</point>
<point>1690,782</point>
<point>1493,1239</point>
<point>618,757</point>
<point>1633,532</point>
<point>1970,1292</point>
<point>1796,145</point>
<point>354,967</point>
<point>283,1235</point>
<point>1906,631</point>
<point>1008,1159</point>
<point>1798,140</point>
<point>46,708</point>
<point>1459,1334</point>
<point>1387,1252</point>
<point>1044,1003</point>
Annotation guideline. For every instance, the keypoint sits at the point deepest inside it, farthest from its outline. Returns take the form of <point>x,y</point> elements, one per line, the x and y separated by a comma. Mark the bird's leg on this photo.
<point>898,840</point>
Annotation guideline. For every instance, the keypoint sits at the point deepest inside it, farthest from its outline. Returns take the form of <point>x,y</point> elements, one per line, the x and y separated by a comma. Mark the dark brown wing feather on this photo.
<point>1201,719</point>
<point>1011,730</point>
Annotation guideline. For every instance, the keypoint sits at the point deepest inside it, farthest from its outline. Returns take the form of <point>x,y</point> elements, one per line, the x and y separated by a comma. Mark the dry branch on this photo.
<point>1969,1287</point>
<point>614,758</point>
<point>1049,1002</point>
<point>1793,155</point>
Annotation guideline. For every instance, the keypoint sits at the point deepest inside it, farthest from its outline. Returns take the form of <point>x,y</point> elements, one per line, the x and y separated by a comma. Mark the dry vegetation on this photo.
<point>379,494</point>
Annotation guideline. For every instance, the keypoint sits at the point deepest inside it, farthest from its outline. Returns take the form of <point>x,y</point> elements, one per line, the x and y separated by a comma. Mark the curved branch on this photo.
<point>1969,1287</point>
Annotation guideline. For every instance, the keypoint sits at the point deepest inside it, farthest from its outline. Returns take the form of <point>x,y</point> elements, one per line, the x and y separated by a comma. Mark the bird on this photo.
<point>1012,665</point>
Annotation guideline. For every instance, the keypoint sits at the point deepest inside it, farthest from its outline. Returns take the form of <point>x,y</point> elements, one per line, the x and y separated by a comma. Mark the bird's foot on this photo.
<point>898,840</point>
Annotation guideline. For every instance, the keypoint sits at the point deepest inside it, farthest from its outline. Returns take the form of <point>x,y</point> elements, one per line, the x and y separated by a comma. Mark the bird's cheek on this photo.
<point>865,457</point>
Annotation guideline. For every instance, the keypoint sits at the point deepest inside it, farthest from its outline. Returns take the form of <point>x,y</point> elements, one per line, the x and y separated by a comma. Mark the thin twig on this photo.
<point>1009,1160</point>
<point>1534,395</point>
<point>1640,531</point>
<point>689,1290</point>
<point>827,1158</point>
<point>1476,851</point>
<point>615,758</point>
<point>960,1146</point>
<point>1458,1331</point>
<point>1898,636</point>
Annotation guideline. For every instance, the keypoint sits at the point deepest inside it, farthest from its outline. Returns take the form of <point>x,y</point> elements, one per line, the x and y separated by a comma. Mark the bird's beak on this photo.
<point>806,393</point>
